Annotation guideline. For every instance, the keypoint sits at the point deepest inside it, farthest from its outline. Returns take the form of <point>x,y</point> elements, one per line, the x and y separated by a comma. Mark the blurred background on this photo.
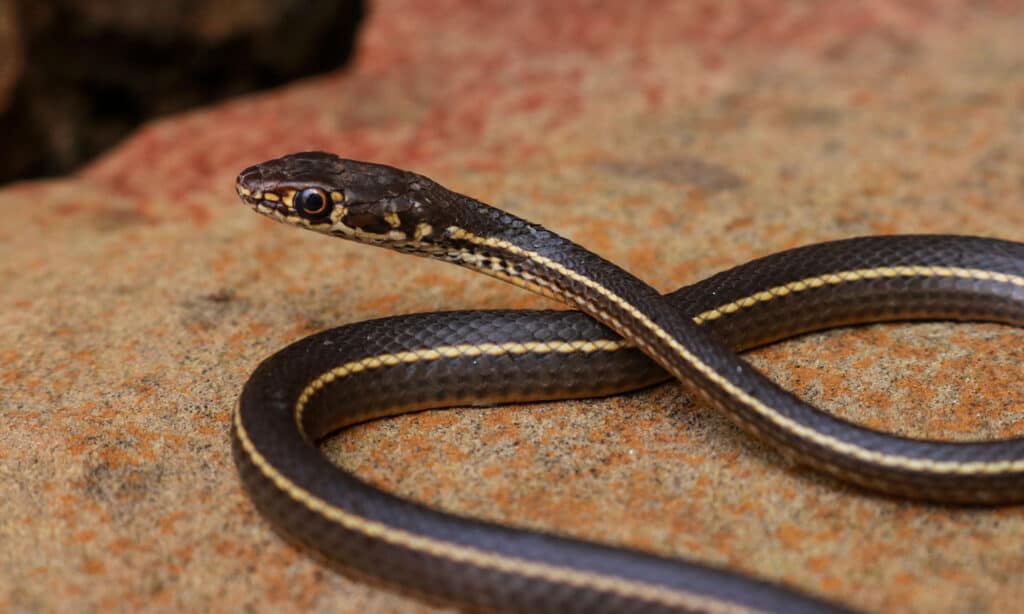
<point>76,76</point>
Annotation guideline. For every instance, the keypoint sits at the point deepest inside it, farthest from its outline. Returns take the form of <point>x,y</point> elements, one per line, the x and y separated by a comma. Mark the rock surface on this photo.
<point>676,139</point>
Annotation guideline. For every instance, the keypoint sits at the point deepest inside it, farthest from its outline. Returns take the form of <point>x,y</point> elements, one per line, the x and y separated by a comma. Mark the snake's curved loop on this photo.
<point>385,367</point>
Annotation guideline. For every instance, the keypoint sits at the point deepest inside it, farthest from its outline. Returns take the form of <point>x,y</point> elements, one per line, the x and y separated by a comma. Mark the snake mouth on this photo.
<point>248,197</point>
<point>256,199</point>
<point>245,194</point>
<point>258,202</point>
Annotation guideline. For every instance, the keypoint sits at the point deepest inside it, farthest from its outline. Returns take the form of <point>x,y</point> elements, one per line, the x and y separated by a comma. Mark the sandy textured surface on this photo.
<point>138,295</point>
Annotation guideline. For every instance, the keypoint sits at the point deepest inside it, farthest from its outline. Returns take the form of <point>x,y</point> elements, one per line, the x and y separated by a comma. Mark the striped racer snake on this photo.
<point>625,335</point>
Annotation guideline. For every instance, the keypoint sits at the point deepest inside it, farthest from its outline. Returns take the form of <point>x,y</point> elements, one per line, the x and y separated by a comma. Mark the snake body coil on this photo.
<point>628,336</point>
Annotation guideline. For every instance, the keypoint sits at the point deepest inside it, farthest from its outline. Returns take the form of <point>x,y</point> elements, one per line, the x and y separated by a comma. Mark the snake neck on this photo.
<point>530,256</point>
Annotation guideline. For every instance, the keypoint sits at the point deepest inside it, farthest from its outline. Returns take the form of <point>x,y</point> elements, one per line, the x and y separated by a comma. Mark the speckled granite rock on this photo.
<point>674,138</point>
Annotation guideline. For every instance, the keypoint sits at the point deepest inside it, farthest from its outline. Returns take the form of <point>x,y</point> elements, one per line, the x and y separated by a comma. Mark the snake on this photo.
<point>619,335</point>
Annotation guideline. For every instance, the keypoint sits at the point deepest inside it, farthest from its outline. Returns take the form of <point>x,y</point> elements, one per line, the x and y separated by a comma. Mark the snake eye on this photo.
<point>313,204</point>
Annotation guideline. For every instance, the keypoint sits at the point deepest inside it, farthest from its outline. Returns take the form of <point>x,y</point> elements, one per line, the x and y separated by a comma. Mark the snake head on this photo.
<point>370,203</point>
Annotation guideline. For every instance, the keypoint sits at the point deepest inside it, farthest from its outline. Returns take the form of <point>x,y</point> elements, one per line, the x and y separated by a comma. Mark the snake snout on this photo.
<point>249,184</point>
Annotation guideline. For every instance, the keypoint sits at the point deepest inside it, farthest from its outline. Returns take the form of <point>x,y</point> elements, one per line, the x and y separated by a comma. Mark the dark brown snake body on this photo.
<point>385,367</point>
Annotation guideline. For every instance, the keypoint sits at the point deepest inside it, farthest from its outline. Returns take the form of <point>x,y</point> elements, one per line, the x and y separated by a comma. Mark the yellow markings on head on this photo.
<point>271,197</point>
<point>423,229</point>
<point>337,197</point>
<point>392,219</point>
<point>337,215</point>
<point>287,197</point>
<point>244,191</point>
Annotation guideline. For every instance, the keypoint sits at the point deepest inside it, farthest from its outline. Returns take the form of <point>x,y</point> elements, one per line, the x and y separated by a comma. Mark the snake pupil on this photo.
<point>312,203</point>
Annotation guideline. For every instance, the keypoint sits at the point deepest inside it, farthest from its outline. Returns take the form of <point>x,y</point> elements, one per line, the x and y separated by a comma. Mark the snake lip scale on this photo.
<point>625,335</point>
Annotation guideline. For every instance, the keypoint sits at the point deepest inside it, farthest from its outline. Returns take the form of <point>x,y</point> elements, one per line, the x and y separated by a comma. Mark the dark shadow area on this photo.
<point>78,76</point>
